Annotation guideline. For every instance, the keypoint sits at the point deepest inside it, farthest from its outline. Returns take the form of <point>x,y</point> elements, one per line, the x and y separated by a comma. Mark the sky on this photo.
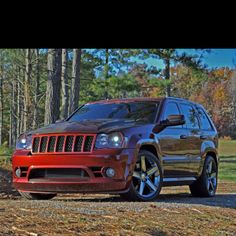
<point>221,57</point>
<point>216,58</point>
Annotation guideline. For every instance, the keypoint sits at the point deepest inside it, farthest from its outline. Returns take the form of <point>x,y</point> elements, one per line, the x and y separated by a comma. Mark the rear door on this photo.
<point>193,147</point>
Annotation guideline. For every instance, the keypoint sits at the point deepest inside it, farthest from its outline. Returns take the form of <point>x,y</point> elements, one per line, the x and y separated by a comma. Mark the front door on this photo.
<point>174,145</point>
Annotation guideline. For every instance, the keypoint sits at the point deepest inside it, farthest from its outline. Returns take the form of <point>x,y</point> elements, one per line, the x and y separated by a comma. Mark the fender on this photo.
<point>137,144</point>
<point>207,147</point>
<point>152,141</point>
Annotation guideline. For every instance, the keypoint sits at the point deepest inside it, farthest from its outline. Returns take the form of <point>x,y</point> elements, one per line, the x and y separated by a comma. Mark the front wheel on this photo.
<point>206,185</point>
<point>37,196</point>
<point>147,178</point>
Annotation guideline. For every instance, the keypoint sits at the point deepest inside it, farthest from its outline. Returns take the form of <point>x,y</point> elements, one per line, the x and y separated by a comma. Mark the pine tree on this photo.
<point>52,104</point>
<point>64,83</point>
<point>75,80</point>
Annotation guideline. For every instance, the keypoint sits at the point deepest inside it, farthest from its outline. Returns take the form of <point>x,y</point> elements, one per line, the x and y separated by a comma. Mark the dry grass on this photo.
<point>86,215</point>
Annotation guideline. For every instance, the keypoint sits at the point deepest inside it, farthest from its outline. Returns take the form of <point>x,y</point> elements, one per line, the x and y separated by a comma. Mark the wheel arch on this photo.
<point>149,145</point>
<point>214,155</point>
<point>150,148</point>
<point>209,148</point>
<point>208,152</point>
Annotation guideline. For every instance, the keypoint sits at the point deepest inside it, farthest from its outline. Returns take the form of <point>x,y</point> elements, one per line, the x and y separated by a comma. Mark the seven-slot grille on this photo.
<point>63,143</point>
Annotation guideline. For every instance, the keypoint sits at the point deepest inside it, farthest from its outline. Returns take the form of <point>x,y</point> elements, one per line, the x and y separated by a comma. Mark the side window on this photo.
<point>171,109</point>
<point>190,116</point>
<point>204,121</point>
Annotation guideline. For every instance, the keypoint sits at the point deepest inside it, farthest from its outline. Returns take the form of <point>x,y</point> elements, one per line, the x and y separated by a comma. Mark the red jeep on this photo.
<point>129,146</point>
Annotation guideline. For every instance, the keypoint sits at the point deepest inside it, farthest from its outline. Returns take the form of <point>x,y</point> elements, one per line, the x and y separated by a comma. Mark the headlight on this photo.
<point>113,140</point>
<point>24,142</point>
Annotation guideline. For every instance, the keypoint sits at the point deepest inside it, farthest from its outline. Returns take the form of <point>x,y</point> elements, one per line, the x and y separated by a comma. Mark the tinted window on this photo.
<point>171,109</point>
<point>145,111</point>
<point>205,124</point>
<point>190,116</point>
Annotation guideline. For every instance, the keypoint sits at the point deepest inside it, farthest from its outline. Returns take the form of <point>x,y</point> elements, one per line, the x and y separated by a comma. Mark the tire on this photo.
<point>147,178</point>
<point>37,196</point>
<point>206,185</point>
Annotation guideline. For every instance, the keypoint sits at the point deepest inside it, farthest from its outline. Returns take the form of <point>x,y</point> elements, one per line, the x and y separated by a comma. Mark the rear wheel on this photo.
<point>206,185</point>
<point>37,196</point>
<point>147,178</point>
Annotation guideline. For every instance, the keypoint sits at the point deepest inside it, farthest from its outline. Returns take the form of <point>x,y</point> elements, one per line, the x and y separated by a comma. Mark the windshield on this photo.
<point>144,111</point>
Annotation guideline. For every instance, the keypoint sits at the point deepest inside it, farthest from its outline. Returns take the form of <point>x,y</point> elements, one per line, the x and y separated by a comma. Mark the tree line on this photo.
<point>40,86</point>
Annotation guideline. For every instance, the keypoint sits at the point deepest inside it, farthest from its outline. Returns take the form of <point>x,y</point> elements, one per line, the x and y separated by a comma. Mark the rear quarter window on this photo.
<point>190,116</point>
<point>204,120</point>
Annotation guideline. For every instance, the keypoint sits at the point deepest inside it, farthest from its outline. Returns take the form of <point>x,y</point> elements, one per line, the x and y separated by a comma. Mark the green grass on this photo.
<point>227,148</point>
<point>5,151</point>
<point>227,153</point>
<point>5,156</point>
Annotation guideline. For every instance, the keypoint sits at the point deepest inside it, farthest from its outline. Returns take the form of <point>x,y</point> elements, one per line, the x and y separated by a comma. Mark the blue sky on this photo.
<point>221,57</point>
<point>216,58</point>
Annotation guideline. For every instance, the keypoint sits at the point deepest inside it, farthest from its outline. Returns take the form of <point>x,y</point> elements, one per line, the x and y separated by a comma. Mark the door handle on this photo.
<point>183,136</point>
<point>203,137</point>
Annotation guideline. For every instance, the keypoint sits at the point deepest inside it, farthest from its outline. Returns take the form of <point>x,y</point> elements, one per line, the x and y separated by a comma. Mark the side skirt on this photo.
<point>178,181</point>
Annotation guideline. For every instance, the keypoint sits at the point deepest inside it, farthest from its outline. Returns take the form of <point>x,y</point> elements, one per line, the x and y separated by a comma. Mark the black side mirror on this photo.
<point>173,120</point>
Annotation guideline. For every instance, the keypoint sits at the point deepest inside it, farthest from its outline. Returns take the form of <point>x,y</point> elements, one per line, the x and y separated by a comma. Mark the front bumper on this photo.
<point>93,165</point>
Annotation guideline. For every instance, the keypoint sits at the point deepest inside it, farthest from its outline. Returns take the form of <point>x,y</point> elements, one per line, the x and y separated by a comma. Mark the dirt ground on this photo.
<point>175,212</point>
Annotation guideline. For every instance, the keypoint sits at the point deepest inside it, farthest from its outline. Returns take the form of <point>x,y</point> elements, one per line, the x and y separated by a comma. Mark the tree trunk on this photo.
<point>64,83</point>
<point>106,73</point>
<point>1,106</point>
<point>10,128</point>
<point>21,103</point>
<point>106,69</point>
<point>52,104</point>
<point>167,76</point>
<point>18,109</point>
<point>36,92</point>
<point>75,80</point>
<point>10,120</point>
<point>27,89</point>
<point>14,113</point>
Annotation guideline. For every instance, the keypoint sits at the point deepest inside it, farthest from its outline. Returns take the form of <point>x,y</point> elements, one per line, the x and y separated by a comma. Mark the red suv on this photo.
<point>133,147</point>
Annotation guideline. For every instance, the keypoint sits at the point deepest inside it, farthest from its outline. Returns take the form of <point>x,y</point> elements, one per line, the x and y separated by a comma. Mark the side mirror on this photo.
<point>173,120</point>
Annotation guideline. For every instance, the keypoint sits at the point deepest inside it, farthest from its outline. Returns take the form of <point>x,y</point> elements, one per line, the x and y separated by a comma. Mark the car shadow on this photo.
<point>220,200</point>
<point>226,200</point>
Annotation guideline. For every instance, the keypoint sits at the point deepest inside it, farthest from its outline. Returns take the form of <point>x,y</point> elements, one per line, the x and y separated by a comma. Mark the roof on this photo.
<point>141,99</point>
<point>184,100</point>
<point>127,100</point>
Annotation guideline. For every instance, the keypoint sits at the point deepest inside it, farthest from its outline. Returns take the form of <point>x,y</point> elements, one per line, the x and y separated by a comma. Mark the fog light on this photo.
<point>110,172</point>
<point>18,172</point>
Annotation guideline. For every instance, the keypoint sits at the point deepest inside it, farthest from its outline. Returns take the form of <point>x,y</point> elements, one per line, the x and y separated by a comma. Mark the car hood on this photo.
<point>88,126</point>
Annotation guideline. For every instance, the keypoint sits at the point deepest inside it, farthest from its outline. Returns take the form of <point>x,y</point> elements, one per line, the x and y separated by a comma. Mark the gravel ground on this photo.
<point>175,212</point>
